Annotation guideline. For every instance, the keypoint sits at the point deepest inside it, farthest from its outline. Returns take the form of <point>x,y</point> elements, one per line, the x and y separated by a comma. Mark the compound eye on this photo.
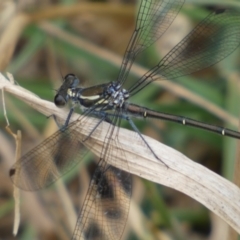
<point>59,101</point>
<point>72,80</point>
<point>69,77</point>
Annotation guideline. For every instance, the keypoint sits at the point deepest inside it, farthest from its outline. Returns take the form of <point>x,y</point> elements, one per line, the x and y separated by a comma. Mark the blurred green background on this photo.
<point>46,49</point>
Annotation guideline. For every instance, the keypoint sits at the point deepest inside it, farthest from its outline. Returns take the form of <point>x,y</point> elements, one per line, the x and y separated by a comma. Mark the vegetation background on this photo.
<point>54,41</point>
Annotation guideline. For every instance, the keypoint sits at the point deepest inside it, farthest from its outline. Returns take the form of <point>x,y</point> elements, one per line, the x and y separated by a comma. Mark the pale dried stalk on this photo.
<point>213,191</point>
<point>16,192</point>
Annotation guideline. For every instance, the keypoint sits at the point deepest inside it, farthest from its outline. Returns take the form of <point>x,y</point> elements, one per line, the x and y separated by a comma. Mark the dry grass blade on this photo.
<point>9,38</point>
<point>216,193</point>
<point>16,192</point>
<point>81,8</point>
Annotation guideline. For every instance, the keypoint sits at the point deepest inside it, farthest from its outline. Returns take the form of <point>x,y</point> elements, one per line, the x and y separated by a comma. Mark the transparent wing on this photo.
<point>51,159</point>
<point>106,206</point>
<point>222,29</point>
<point>153,19</point>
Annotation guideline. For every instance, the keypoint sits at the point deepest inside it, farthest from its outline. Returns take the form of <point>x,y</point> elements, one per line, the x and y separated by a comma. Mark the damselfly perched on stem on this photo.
<point>105,209</point>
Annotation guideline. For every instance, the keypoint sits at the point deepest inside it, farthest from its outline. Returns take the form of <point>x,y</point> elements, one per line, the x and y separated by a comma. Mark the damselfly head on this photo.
<point>71,80</point>
<point>62,96</point>
<point>60,101</point>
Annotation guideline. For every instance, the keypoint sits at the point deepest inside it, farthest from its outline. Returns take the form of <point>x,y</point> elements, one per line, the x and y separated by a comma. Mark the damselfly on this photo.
<point>105,209</point>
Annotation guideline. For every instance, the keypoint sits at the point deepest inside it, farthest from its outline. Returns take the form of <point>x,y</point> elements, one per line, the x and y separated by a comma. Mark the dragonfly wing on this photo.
<point>153,19</point>
<point>196,52</point>
<point>51,159</point>
<point>106,206</point>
